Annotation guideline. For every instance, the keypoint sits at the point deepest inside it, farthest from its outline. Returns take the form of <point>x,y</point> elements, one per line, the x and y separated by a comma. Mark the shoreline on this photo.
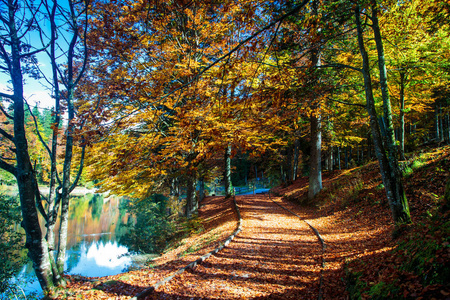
<point>12,190</point>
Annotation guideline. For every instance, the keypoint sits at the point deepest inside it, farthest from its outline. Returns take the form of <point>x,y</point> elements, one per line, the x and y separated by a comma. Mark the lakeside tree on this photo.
<point>15,52</point>
<point>21,22</point>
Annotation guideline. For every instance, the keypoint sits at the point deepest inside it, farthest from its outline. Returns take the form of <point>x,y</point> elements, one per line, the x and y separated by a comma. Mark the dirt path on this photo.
<point>276,256</point>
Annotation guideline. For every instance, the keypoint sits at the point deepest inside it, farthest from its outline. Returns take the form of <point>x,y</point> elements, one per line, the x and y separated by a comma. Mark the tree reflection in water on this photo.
<point>96,225</point>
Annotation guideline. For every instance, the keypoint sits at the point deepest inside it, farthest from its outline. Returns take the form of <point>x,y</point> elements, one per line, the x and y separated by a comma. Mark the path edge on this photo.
<point>193,264</point>
<point>319,237</point>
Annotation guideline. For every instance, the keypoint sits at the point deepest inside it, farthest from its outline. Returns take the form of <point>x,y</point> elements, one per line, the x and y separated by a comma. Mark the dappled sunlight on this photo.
<point>276,253</point>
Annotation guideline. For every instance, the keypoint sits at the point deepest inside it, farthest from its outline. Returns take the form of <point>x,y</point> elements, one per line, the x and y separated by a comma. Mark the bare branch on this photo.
<point>37,130</point>
<point>38,199</point>
<point>5,56</point>
<point>34,52</point>
<point>85,57</point>
<point>80,170</point>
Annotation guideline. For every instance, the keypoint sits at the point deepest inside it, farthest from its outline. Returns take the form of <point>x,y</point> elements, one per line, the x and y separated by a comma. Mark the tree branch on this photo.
<point>346,103</point>
<point>80,170</point>
<point>85,56</point>
<point>338,65</point>
<point>237,47</point>
<point>37,130</point>
<point>7,167</point>
<point>5,113</point>
<point>6,95</point>
<point>220,59</point>
<point>38,199</point>
<point>6,135</point>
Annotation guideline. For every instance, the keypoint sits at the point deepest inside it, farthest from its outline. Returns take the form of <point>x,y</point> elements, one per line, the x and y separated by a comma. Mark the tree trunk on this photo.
<point>315,167</point>
<point>339,157</point>
<point>67,185</point>
<point>387,158</point>
<point>441,123</point>
<point>446,201</point>
<point>315,171</point>
<point>288,165</point>
<point>331,160</point>
<point>437,136</point>
<point>54,196</point>
<point>191,201</point>
<point>201,191</point>
<point>448,128</point>
<point>361,161</point>
<point>296,158</point>
<point>346,158</point>
<point>26,178</point>
<point>402,116</point>
<point>227,172</point>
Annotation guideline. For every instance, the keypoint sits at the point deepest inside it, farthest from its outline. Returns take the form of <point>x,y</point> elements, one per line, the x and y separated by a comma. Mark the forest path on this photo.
<point>275,256</point>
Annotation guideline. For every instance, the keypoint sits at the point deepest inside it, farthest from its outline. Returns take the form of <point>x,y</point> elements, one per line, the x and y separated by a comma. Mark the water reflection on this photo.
<point>95,227</point>
<point>98,259</point>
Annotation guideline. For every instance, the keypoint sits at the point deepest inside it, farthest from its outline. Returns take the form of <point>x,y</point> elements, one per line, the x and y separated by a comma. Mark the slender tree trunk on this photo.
<point>387,158</point>
<point>448,127</point>
<point>350,155</point>
<point>288,164</point>
<point>68,186</point>
<point>346,158</point>
<point>227,172</point>
<point>402,116</point>
<point>191,201</point>
<point>399,200</point>
<point>315,171</point>
<point>201,191</point>
<point>26,178</point>
<point>339,157</point>
<point>65,195</point>
<point>446,200</point>
<point>436,121</point>
<point>331,160</point>
<point>54,197</point>
<point>441,123</point>
<point>296,158</point>
<point>315,167</point>
<point>362,154</point>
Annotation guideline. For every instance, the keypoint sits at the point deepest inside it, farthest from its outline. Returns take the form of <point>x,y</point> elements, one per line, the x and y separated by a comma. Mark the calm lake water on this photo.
<point>96,225</point>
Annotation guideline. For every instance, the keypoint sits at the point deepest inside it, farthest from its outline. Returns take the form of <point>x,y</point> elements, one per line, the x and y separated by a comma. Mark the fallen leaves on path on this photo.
<point>277,255</point>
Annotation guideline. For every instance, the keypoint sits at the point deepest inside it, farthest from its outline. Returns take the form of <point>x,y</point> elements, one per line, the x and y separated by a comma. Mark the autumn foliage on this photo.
<point>172,92</point>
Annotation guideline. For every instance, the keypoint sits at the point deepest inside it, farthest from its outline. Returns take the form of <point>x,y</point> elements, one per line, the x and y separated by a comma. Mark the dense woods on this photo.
<point>162,100</point>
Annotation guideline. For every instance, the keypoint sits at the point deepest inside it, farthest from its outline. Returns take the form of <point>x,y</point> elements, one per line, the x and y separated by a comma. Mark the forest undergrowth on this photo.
<point>371,258</point>
<point>366,256</point>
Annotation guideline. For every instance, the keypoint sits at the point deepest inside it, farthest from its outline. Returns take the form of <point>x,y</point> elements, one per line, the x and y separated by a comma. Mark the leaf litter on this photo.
<point>277,256</point>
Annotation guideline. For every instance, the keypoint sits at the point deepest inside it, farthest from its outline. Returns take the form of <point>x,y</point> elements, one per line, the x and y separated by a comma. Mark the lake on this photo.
<point>96,225</point>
